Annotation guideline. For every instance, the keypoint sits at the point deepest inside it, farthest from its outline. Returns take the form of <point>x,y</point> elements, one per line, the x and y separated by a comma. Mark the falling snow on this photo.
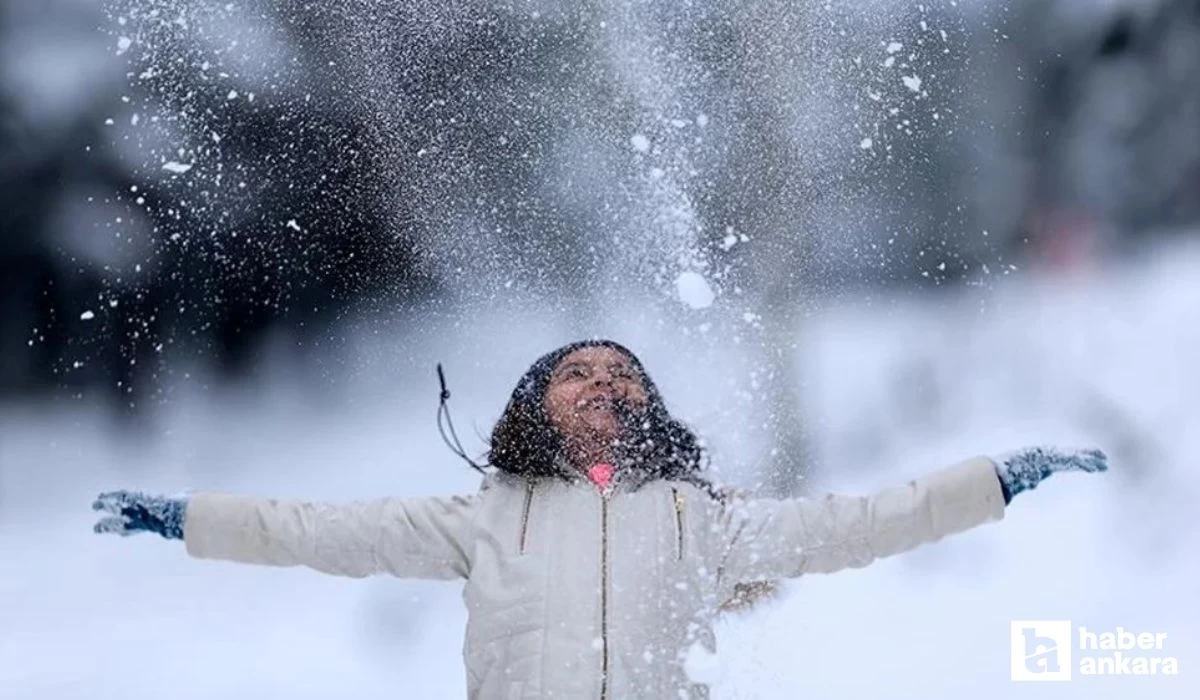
<point>694,290</point>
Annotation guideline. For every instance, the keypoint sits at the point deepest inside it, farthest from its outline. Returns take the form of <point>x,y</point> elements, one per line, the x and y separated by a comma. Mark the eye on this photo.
<point>575,372</point>
<point>623,372</point>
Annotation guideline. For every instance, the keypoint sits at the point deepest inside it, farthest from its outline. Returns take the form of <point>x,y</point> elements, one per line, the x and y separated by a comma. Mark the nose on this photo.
<point>602,376</point>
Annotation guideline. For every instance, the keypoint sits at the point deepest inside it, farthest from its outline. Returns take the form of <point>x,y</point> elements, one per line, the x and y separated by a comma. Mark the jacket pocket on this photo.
<point>523,537</point>
<point>678,504</point>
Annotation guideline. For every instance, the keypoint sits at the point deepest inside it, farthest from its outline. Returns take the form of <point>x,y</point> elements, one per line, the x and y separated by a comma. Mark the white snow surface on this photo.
<point>1105,358</point>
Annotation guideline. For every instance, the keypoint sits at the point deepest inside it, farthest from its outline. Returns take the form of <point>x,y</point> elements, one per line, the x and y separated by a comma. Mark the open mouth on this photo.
<point>598,403</point>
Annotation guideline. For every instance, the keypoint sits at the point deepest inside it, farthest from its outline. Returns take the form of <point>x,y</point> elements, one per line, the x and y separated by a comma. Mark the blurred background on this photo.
<point>853,241</point>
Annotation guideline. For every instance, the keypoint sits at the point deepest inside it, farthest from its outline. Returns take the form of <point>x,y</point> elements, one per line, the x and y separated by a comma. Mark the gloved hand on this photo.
<point>1022,469</point>
<point>134,512</point>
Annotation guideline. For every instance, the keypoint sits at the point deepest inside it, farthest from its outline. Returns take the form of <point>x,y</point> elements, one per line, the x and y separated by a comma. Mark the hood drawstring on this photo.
<point>451,439</point>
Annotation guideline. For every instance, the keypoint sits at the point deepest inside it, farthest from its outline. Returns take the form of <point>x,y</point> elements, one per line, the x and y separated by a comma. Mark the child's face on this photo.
<point>584,386</point>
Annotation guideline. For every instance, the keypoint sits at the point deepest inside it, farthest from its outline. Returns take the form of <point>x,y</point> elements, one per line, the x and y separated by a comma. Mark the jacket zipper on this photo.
<point>525,516</point>
<point>604,596</point>
<point>678,499</point>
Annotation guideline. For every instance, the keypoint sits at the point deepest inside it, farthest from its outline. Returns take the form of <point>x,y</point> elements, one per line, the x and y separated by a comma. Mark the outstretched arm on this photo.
<point>419,538</point>
<point>778,538</point>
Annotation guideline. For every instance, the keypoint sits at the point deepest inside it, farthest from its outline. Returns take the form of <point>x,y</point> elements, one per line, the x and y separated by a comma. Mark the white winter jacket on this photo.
<point>575,594</point>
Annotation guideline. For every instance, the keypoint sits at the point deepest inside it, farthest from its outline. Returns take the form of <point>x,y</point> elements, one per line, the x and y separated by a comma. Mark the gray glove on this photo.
<point>1020,470</point>
<point>134,512</point>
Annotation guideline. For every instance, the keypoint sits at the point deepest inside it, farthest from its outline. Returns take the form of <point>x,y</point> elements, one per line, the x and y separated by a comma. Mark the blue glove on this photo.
<point>1022,469</point>
<point>134,512</point>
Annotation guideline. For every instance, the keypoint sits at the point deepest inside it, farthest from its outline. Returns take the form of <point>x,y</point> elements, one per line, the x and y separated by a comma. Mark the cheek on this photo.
<point>558,406</point>
<point>636,392</point>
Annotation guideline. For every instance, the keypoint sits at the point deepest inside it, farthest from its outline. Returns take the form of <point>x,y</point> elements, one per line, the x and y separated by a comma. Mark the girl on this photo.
<point>596,552</point>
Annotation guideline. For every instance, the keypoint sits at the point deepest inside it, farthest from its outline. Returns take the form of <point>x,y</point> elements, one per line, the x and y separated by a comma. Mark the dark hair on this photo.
<point>525,444</point>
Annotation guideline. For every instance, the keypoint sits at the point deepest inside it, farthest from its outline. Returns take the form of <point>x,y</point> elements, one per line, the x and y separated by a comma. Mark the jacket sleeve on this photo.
<point>773,538</point>
<point>417,538</point>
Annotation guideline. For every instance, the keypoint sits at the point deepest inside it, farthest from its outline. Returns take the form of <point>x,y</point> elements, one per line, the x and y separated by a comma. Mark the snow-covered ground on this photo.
<point>1108,358</point>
